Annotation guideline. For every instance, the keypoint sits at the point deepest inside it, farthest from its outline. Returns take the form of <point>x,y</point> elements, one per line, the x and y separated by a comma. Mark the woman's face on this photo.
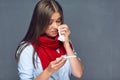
<point>55,21</point>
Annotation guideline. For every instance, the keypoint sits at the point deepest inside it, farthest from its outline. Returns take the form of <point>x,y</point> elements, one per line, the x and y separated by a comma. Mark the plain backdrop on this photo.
<point>95,33</point>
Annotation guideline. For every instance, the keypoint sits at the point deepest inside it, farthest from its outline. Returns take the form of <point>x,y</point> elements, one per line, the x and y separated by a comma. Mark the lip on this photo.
<point>54,31</point>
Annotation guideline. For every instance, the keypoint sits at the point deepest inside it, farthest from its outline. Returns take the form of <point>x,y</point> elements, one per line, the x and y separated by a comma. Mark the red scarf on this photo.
<point>49,50</point>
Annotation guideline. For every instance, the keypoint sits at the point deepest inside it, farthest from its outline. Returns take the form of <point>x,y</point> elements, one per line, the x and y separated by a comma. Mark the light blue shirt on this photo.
<point>26,70</point>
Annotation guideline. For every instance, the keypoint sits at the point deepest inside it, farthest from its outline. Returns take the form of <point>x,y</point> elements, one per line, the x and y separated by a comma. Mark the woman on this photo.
<point>40,55</point>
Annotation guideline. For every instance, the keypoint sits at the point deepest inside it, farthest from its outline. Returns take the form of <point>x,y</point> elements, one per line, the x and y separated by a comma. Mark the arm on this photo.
<point>44,75</point>
<point>76,64</point>
<point>25,65</point>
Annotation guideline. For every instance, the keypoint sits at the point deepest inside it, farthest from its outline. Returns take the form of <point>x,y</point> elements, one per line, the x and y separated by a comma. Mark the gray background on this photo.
<point>95,34</point>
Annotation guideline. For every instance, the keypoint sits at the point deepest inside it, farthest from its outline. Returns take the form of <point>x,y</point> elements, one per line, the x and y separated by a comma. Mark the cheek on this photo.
<point>48,31</point>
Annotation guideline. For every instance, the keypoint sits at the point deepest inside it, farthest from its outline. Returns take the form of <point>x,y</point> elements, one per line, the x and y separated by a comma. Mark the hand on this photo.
<point>64,30</point>
<point>56,65</point>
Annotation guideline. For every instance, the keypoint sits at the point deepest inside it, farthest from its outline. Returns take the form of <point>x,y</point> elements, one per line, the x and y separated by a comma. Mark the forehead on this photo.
<point>55,16</point>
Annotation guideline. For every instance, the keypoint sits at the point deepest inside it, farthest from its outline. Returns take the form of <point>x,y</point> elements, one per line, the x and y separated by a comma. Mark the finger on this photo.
<point>60,64</point>
<point>55,65</point>
<point>63,26</point>
<point>61,61</point>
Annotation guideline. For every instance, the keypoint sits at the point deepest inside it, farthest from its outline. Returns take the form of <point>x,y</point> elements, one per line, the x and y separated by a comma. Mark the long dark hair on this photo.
<point>39,23</point>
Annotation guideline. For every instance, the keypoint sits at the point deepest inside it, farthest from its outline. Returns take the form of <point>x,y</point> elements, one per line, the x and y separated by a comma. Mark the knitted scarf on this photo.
<point>49,49</point>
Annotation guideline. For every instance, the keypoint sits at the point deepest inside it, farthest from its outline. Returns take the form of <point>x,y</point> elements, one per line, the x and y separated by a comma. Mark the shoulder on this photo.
<point>25,63</point>
<point>25,50</point>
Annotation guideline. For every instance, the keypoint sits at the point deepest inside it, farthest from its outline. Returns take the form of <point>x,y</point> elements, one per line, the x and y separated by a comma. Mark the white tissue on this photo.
<point>61,37</point>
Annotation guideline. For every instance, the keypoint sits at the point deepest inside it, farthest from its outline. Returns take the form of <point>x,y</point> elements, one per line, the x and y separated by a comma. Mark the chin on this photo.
<point>51,36</point>
<point>54,36</point>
